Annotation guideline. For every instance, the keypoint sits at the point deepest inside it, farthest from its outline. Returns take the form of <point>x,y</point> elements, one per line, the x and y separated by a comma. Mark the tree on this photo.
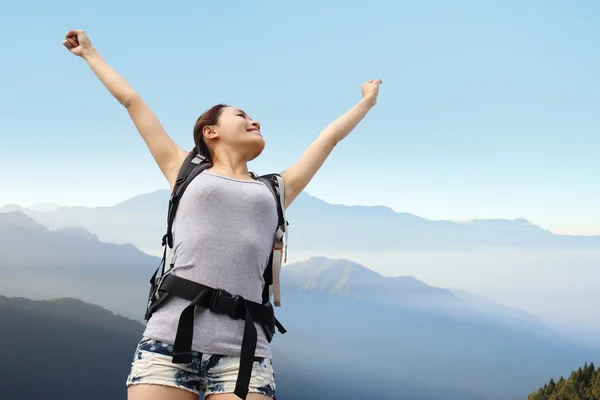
<point>583,384</point>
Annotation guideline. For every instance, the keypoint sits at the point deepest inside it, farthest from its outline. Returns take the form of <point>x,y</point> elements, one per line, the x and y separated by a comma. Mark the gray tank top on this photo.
<point>222,237</point>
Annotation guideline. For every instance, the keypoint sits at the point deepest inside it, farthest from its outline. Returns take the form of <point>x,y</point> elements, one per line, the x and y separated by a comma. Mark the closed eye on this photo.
<point>242,114</point>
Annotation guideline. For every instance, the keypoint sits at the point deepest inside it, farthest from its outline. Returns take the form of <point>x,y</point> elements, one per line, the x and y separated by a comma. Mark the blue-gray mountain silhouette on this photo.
<point>316,224</point>
<point>24,242</point>
<point>63,349</point>
<point>344,277</point>
<point>348,326</point>
<point>90,350</point>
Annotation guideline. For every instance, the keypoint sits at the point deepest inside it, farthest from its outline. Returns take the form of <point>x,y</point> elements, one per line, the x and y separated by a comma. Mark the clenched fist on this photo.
<point>370,90</point>
<point>77,42</point>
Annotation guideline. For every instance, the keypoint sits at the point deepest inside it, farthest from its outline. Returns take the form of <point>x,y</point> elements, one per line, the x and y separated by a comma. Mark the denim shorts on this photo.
<point>208,373</point>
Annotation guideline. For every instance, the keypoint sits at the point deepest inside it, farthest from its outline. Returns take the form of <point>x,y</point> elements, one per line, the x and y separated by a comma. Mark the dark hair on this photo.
<point>209,117</point>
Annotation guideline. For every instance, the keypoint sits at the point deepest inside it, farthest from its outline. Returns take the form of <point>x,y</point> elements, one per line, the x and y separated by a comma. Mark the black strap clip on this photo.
<point>223,302</point>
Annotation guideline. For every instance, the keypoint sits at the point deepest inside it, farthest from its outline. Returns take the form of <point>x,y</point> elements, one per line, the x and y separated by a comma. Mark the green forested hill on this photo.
<point>583,384</point>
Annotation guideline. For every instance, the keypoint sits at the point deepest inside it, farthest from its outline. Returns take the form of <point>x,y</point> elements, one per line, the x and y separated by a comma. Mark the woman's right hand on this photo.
<point>78,42</point>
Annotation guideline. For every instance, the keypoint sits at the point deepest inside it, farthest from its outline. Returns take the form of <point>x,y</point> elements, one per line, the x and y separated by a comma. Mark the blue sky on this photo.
<point>486,110</point>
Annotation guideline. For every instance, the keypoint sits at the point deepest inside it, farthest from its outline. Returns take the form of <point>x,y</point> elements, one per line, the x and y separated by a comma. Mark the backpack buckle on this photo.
<point>223,302</point>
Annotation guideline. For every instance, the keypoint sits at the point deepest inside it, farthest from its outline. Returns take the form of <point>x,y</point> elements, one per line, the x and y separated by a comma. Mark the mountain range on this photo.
<point>90,350</point>
<point>24,242</point>
<point>63,349</point>
<point>314,225</point>
<point>349,328</point>
<point>347,278</point>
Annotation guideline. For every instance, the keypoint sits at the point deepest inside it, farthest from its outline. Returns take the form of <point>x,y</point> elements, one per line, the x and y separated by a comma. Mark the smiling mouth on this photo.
<point>254,130</point>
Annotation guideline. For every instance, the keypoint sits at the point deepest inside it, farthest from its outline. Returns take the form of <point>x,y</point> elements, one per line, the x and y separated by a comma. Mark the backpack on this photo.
<point>218,300</point>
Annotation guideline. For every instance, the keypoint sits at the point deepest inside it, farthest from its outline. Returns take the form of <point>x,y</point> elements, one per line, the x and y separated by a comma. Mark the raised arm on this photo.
<point>297,177</point>
<point>167,154</point>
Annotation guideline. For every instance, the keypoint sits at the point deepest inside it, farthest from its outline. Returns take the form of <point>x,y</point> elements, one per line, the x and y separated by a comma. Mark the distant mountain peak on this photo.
<point>348,278</point>
<point>316,206</point>
<point>78,232</point>
<point>504,223</point>
<point>315,223</point>
<point>44,207</point>
<point>342,276</point>
<point>327,274</point>
<point>11,207</point>
<point>156,200</point>
<point>25,242</point>
<point>513,220</point>
<point>341,265</point>
<point>18,218</point>
<point>309,197</point>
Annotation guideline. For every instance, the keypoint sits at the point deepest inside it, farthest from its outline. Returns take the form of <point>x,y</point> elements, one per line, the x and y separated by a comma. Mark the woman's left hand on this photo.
<point>370,90</point>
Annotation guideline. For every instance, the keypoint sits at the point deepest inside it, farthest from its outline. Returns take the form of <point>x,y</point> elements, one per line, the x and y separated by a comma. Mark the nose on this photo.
<point>256,124</point>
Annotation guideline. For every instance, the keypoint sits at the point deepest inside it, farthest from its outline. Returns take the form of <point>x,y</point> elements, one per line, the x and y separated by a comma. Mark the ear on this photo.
<point>209,133</point>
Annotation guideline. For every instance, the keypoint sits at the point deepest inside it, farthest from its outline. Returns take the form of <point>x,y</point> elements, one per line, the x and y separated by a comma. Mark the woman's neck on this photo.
<point>231,170</point>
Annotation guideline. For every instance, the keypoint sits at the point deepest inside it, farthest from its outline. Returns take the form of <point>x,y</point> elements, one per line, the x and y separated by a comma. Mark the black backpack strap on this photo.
<point>275,184</point>
<point>193,165</point>
<point>153,302</point>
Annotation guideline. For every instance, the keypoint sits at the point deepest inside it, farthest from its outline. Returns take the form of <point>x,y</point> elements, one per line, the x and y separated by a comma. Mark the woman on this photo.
<point>223,235</point>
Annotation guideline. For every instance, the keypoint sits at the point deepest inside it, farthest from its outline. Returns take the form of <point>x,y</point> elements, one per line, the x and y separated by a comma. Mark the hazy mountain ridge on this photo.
<point>345,277</point>
<point>341,275</point>
<point>91,344</point>
<point>26,245</point>
<point>333,309</point>
<point>24,242</point>
<point>69,308</point>
<point>316,224</point>
<point>60,349</point>
<point>88,345</point>
<point>507,316</point>
<point>485,304</point>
